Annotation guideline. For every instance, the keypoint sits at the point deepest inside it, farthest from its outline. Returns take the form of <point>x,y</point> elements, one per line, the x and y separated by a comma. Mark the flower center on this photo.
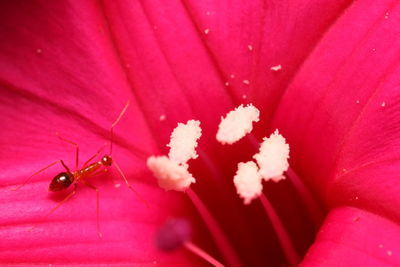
<point>277,231</point>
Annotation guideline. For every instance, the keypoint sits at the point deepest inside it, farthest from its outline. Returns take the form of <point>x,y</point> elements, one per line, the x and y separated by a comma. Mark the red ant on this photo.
<point>65,179</point>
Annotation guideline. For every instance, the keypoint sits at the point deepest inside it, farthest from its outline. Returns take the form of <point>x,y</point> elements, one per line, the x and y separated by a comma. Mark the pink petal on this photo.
<point>179,71</point>
<point>353,237</point>
<point>345,142</point>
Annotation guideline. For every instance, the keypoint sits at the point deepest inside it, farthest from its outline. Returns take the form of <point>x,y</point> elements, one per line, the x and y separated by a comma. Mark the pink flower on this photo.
<point>69,67</point>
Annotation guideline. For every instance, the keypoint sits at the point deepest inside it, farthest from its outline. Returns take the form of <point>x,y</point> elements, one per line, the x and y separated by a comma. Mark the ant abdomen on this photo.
<point>61,181</point>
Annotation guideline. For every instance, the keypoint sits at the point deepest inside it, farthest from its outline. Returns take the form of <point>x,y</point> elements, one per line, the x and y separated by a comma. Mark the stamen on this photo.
<point>273,162</point>
<point>170,175</point>
<point>273,157</point>
<point>237,124</point>
<point>287,246</point>
<point>183,141</point>
<point>248,181</point>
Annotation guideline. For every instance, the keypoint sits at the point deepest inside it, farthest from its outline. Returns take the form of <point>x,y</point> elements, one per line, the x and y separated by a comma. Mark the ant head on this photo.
<point>61,181</point>
<point>106,160</point>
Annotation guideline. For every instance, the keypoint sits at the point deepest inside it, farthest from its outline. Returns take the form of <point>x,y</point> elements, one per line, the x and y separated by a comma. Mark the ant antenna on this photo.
<point>129,186</point>
<point>115,123</point>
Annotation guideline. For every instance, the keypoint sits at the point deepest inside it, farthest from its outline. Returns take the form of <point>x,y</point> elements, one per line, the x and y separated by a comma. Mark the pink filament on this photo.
<point>219,237</point>
<point>312,208</point>
<point>287,246</point>
<point>202,254</point>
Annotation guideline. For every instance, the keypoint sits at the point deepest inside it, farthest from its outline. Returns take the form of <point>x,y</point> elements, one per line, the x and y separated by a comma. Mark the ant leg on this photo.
<point>36,173</point>
<point>115,123</point>
<point>59,204</point>
<point>95,155</point>
<point>97,205</point>
<point>65,166</point>
<point>72,143</point>
<point>63,201</point>
<point>129,186</point>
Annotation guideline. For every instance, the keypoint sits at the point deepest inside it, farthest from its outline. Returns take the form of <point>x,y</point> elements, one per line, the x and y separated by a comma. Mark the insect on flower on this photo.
<point>67,178</point>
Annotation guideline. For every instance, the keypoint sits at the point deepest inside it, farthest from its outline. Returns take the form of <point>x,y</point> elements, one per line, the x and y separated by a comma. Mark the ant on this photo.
<point>65,179</point>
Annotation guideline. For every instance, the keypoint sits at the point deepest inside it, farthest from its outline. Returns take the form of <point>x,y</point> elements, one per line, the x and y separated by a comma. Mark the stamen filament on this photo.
<point>287,246</point>
<point>202,254</point>
<point>311,205</point>
<point>221,241</point>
